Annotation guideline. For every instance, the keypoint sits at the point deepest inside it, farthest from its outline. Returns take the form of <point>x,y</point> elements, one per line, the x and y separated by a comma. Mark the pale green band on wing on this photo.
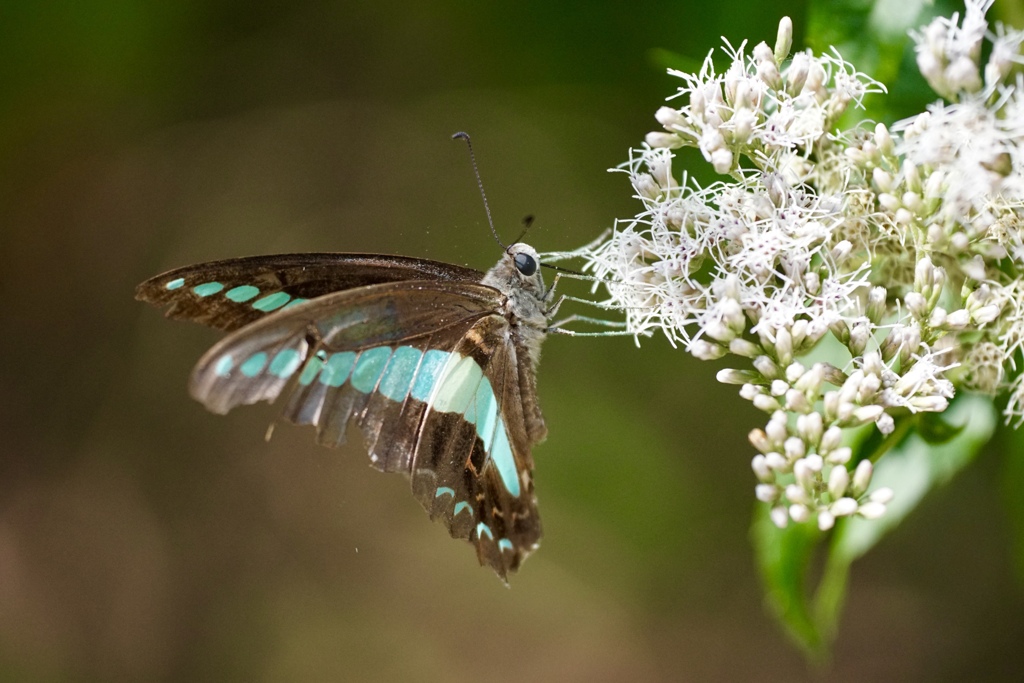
<point>285,363</point>
<point>336,368</point>
<point>296,302</point>
<point>254,365</point>
<point>430,367</point>
<point>504,544</point>
<point>175,284</point>
<point>446,382</point>
<point>242,293</point>
<point>460,506</point>
<point>369,368</point>
<point>224,365</point>
<point>400,372</point>
<point>311,370</point>
<point>501,456</point>
<point>458,385</point>
<point>272,302</point>
<point>207,288</point>
<point>482,529</point>
<point>486,413</point>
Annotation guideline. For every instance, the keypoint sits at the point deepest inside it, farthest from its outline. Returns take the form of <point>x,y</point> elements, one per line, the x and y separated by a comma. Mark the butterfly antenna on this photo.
<point>476,171</point>
<point>527,224</point>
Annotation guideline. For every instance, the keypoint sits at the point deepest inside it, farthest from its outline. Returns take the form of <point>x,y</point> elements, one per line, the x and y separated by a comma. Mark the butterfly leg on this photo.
<point>586,319</point>
<point>605,333</point>
<point>553,309</point>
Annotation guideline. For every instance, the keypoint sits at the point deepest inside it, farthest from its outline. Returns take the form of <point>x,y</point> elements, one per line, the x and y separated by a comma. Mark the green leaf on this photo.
<point>873,36</point>
<point>935,428</point>
<point>783,557</point>
<point>911,468</point>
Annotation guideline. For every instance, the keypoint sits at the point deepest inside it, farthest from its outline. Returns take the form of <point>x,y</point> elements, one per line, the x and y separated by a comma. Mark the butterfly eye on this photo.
<point>526,264</point>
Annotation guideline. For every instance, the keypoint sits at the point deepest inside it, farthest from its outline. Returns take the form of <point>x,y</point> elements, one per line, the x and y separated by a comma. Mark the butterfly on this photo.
<point>435,363</point>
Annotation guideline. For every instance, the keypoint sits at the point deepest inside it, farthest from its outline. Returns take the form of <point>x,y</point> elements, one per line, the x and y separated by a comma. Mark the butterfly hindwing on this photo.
<point>472,466</point>
<point>232,293</point>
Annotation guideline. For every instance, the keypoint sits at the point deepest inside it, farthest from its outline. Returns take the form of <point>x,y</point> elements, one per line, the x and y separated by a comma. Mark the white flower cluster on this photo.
<point>906,245</point>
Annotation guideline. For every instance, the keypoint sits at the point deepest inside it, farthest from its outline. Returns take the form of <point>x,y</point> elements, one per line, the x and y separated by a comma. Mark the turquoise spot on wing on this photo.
<point>175,284</point>
<point>398,375</point>
<point>444,491</point>
<point>309,373</point>
<point>458,385</point>
<point>504,544</point>
<point>242,293</point>
<point>207,288</point>
<point>336,368</point>
<point>224,366</point>
<point>460,506</point>
<point>272,302</point>
<point>254,365</point>
<point>486,413</point>
<point>482,529</point>
<point>286,362</point>
<point>296,302</point>
<point>369,368</point>
<point>501,456</point>
<point>430,368</point>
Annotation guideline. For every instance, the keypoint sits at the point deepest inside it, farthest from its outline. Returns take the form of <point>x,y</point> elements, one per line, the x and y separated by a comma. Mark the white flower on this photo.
<point>904,244</point>
<point>948,54</point>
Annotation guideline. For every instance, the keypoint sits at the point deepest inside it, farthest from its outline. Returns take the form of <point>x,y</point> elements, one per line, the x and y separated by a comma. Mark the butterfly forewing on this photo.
<point>254,363</point>
<point>232,293</point>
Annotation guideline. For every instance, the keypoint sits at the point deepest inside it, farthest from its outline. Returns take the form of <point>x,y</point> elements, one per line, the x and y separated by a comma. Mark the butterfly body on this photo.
<point>435,363</point>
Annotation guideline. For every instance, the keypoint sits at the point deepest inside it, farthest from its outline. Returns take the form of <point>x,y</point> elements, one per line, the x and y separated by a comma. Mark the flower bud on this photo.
<point>767,493</point>
<point>759,440</point>
<point>883,140</point>
<point>883,495</point>
<point>777,462</point>
<point>843,507</point>
<point>799,513</point>
<point>670,118</point>
<point>871,510</point>
<point>761,469</point>
<point>861,478</point>
<point>795,448</point>
<point>838,480</point>
<point>840,456</point>
<point>783,39</point>
<point>809,427</point>
<point>742,347</point>
<point>766,403</point>
<point>826,520</point>
<point>876,304</point>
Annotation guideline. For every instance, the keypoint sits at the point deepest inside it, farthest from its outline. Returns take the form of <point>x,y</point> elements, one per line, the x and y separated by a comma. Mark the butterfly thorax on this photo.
<point>525,296</point>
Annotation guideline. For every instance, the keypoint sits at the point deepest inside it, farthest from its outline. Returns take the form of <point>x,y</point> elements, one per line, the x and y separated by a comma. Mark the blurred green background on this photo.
<point>142,538</point>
